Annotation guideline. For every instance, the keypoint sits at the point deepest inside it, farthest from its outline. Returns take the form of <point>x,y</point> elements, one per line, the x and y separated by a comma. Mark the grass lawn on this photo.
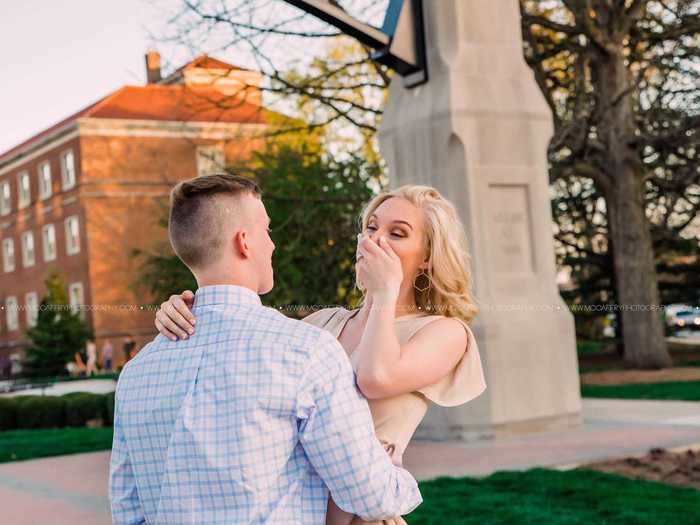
<point>548,497</point>
<point>584,346</point>
<point>17,445</point>
<point>677,390</point>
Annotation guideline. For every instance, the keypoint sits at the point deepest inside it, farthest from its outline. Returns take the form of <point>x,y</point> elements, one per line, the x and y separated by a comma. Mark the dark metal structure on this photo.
<point>399,43</point>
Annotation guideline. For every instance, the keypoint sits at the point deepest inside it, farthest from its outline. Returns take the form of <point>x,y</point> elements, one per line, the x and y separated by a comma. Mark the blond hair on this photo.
<point>449,263</point>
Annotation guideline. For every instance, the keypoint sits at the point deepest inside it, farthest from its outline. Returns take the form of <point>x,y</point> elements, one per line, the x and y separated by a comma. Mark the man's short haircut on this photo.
<point>197,219</point>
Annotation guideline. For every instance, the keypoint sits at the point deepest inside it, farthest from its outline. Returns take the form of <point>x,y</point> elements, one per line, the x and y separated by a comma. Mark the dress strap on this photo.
<point>329,319</point>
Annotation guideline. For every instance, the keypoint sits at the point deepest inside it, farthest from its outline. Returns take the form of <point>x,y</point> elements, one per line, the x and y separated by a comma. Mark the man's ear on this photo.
<point>240,244</point>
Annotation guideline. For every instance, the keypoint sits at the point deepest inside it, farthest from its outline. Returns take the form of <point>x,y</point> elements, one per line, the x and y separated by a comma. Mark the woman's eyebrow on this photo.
<point>373,216</point>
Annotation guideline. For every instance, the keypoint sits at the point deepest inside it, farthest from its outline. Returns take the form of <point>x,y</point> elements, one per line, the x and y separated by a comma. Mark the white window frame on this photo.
<point>72,247</point>
<point>45,180</point>
<point>76,298</point>
<point>68,176</point>
<point>24,191</point>
<point>5,198</point>
<point>12,312</point>
<point>49,242</point>
<point>28,249</point>
<point>8,255</point>
<point>210,159</point>
<point>31,302</point>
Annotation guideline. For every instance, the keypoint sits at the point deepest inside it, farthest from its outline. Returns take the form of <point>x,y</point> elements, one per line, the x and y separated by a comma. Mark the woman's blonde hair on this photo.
<point>449,263</point>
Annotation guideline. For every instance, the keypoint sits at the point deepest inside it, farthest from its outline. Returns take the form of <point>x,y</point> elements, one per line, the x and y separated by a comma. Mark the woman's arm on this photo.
<point>175,320</point>
<point>386,368</point>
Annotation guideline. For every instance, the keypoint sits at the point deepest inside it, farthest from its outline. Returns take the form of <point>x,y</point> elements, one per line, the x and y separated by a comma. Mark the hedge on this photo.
<point>8,414</point>
<point>76,409</point>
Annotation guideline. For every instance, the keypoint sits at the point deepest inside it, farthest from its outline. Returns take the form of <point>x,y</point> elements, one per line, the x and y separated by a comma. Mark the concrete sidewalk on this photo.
<point>612,429</point>
<point>94,386</point>
<point>73,489</point>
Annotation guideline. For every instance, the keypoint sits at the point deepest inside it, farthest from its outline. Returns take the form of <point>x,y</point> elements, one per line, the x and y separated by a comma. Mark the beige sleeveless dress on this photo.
<point>396,418</point>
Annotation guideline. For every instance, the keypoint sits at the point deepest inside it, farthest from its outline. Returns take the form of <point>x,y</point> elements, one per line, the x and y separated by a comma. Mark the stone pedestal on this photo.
<point>478,132</point>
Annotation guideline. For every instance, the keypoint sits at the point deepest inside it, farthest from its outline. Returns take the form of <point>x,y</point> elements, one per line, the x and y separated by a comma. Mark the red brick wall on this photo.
<point>125,192</point>
<point>53,210</point>
<point>120,197</point>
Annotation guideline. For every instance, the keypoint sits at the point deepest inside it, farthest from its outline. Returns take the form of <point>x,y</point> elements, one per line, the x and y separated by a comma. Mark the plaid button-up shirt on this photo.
<point>249,421</point>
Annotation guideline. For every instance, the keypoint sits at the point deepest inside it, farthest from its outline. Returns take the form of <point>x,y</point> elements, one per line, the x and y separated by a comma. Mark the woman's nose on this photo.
<point>369,235</point>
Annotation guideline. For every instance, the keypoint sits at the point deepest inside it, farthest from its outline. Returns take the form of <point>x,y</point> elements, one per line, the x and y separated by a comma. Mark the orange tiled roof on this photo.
<point>162,102</point>
<point>207,62</point>
<point>178,103</point>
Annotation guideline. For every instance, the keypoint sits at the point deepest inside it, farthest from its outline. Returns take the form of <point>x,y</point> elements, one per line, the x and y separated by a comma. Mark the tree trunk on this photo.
<point>637,287</point>
<point>633,256</point>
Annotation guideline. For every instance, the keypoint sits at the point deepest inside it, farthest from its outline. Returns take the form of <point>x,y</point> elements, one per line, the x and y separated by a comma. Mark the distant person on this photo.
<point>5,367</point>
<point>91,351</point>
<point>129,346</point>
<point>77,366</point>
<point>107,354</point>
<point>256,418</point>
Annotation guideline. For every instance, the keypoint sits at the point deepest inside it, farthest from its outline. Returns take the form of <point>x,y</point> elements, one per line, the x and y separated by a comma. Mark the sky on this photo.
<point>57,57</point>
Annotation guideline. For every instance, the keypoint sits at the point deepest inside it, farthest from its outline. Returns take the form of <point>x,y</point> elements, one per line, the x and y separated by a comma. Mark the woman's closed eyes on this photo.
<point>397,233</point>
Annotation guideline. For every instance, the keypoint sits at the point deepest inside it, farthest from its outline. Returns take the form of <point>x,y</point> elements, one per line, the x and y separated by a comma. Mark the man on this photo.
<point>107,353</point>
<point>129,346</point>
<point>256,417</point>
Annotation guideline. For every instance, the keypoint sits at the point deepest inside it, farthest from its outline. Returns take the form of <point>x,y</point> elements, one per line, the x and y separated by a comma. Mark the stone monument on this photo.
<point>478,131</point>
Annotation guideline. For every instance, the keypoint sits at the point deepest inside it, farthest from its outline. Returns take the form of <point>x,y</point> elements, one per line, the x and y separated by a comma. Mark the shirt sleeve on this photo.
<point>123,493</point>
<point>337,433</point>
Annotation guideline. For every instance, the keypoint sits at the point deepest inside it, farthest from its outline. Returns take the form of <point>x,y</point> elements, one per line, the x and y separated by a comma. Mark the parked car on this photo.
<point>684,319</point>
<point>670,311</point>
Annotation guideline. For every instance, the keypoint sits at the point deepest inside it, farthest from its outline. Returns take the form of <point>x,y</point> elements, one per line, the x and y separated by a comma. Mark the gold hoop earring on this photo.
<point>417,277</point>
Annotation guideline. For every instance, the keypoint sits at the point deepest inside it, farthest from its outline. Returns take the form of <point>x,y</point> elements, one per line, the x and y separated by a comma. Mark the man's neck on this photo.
<point>232,280</point>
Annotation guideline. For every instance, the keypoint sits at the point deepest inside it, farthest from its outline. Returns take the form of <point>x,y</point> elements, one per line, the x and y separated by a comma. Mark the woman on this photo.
<point>409,342</point>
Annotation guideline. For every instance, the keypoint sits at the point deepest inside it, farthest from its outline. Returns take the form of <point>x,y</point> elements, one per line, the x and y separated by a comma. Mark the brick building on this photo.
<point>80,196</point>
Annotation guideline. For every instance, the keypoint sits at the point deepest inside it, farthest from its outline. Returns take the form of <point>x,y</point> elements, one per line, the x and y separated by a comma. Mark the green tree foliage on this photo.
<point>314,203</point>
<point>58,334</point>
<point>162,273</point>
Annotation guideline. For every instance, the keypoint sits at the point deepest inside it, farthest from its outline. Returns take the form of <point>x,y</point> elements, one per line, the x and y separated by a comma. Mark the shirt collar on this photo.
<point>226,294</point>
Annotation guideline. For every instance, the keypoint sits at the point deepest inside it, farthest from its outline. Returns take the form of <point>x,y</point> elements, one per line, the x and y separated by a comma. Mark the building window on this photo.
<point>75,297</point>
<point>210,159</point>
<point>28,257</point>
<point>23,190</point>
<point>48,235</point>
<point>72,235</point>
<point>67,170</point>
<point>32,303</point>
<point>45,180</point>
<point>12,317</point>
<point>5,199</point>
<point>8,255</point>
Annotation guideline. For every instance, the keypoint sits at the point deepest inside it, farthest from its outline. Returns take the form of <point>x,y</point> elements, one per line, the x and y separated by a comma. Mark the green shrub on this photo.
<point>41,412</point>
<point>109,409</point>
<point>74,410</point>
<point>82,407</point>
<point>8,414</point>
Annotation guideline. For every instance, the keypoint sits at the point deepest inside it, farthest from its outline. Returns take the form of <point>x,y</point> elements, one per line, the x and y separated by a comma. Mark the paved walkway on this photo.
<point>612,428</point>
<point>72,489</point>
<point>95,386</point>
